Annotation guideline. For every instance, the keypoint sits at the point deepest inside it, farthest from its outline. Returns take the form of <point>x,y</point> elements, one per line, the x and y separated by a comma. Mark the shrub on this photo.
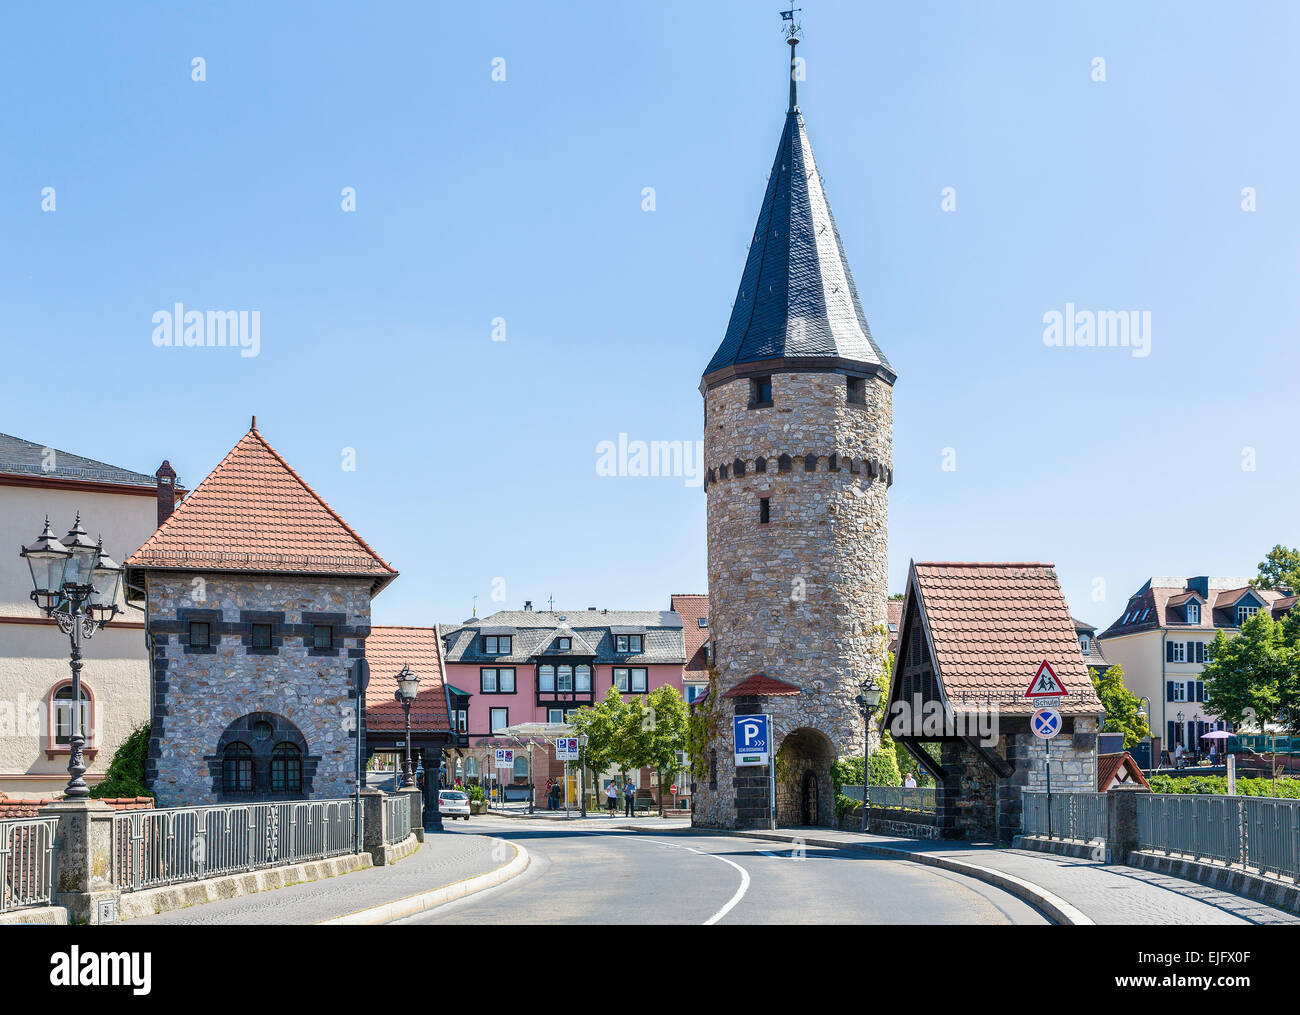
<point>125,775</point>
<point>1218,784</point>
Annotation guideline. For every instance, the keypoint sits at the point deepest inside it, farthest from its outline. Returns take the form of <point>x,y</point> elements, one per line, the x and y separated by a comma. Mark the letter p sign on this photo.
<point>753,739</point>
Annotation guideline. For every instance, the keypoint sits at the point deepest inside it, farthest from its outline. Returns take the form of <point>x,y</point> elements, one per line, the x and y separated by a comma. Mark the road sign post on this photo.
<point>1046,722</point>
<point>752,742</point>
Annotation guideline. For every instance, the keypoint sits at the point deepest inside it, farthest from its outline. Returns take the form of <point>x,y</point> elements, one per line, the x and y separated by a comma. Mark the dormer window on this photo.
<point>1085,644</point>
<point>1244,613</point>
<point>497,644</point>
<point>760,392</point>
<point>563,644</point>
<point>629,644</point>
<point>1193,613</point>
<point>857,391</point>
<point>704,622</point>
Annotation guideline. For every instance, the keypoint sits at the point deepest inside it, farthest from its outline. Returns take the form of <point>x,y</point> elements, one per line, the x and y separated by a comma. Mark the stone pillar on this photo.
<point>374,820</point>
<point>1015,747</point>
<point>416,799</point>
<point>1122,821</point>
<point>968,796</point>
<point>83,859</point>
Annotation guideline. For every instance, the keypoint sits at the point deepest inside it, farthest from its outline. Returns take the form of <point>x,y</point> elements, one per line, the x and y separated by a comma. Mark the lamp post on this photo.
<point>868,701</point>
<point>408,686</point>
<point>1182,732</point>
<point>76,583</point>
<point>582,770</point>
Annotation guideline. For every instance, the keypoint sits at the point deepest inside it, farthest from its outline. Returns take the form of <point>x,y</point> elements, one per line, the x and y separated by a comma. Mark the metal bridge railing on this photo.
<point>177,844</point>
<point>398,817</point>
<point>1080,816</point>
<point>26,862</point>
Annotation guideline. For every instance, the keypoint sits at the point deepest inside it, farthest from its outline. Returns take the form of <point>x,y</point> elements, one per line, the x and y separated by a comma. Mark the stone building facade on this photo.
<point>257,599</point>
<point>798,456</point>
<point>227,691</point>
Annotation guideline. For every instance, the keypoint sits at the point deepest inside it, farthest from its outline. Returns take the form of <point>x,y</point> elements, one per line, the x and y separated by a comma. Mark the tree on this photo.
<point>661,723</point>
<point>1279,570</point>
<point>1252,678</point>
<point>1123,714</point>
<point>603,725</point>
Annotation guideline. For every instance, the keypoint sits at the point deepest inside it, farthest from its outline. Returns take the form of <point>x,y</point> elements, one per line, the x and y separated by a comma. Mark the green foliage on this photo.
<point>1123,714</point>
<point>847,771</point>
<point>646,732</point>
<point>1252,678</point>
<point>845,805</point>
<point>125,775</point>
<point>474,792</point>
<point>701,728</point>
<point>1279,570</point>
<point>1218,784</point>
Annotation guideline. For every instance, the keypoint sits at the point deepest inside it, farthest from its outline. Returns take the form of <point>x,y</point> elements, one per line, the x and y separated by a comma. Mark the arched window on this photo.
<point>471,768</point>
<point>286,769</point>
<point>738,467</point>
<point>783,463</point>
<point>63,714</point>
<point>237,768</point>
<point>760,464</point>
<point>521,768</point>
<point>810,463</point>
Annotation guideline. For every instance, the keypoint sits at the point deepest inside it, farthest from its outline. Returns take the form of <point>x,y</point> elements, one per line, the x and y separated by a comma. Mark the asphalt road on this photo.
<point>613,877</point>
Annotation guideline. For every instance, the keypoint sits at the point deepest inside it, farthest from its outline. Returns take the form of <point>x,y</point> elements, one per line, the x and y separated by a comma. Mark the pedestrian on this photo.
<point>910,781</point>
<point>555,796</point>
<point>611,796</point>
<point>550,797</point>
<point>629,794</point>
<point>1178,756</point>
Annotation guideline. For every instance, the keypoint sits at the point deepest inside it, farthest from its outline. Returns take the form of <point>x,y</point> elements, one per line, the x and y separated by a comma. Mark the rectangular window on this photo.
<point>620,678</point>
<point>462,720</point>
<point>582,678</point>
<point>499,719</point>
<point>1179,651</point>
<point>199,635</point>
<point>1193,613</point>
<point>764,511</point>
<point>628,644</point>
<point>760,392</point>
<point>564,644</point>
<point>693,691</point>
<point>555,715</point>
<point>1179,690</point>
<point>261,636</point>
<point>546,678</point>
<point>497,680</point>
<point>497,644</point>
<point>1085,645</point>
<point>630,680</point>
<point>1244,613</point>
<point>322,636</point>
<point>857,391</point>
<point>704,622</point>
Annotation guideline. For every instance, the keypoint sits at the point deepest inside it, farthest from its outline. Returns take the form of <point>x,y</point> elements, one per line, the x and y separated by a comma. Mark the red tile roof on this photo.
<point>992,625</point>
<point>254,513</point>
<point>894,621</point>
<point>388,649</point>
<point>692,607</point>
<point>1111,766</point>
<point>761,685</point>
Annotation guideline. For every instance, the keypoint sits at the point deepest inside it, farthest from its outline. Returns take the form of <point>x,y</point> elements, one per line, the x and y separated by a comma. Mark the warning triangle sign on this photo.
<point>1046,684</point>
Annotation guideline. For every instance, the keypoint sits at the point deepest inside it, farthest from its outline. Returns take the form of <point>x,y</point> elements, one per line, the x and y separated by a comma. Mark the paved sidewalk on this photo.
<point>1105,893</point>
<point>442,860</point>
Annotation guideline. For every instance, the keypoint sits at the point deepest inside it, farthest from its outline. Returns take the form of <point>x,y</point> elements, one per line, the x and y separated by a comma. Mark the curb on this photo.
<point>1057,909</point>
<point>424,901</point>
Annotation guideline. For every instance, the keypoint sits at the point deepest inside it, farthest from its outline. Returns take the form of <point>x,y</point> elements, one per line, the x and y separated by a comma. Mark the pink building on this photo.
<point>528,665</point>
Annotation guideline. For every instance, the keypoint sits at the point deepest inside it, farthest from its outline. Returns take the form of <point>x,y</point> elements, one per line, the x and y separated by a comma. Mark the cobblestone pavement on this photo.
<point>441,860</point>
<point>1106,893</point>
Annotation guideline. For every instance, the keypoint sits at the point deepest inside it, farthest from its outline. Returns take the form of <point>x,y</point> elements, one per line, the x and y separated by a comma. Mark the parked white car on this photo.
<point>453,803</point>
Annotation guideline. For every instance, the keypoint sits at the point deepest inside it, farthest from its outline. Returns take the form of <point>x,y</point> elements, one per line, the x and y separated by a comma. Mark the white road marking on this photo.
<point>740,892</point>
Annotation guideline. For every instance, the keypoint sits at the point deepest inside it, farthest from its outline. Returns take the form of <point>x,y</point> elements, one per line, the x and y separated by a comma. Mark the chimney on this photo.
<point>528,606</point>
<point>166,477</point>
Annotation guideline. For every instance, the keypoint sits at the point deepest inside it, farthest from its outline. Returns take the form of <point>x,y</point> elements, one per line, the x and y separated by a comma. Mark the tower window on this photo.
<point>784,463</point>
<point>760,464</point>
<point>764,512</point>
<point>760,392</point>
<point>810,463</point>
<point>857,391</point>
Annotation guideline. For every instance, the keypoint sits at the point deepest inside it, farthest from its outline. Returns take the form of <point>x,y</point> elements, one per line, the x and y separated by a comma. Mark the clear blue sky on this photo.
<point>522,199</point>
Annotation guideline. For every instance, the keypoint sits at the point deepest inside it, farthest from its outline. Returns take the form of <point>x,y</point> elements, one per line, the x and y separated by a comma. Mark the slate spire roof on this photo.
<point>797,300</point>
<point>254,513</point>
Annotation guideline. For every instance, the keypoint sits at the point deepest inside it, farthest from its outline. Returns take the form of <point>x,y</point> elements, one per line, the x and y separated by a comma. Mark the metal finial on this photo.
<point>254,426</point>
<point>792,30</point>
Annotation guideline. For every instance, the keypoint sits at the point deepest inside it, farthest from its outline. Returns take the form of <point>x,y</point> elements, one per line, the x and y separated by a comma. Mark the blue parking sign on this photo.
<point>753,738</point>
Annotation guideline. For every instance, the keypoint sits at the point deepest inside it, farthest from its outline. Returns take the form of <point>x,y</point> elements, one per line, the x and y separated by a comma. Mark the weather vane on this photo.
<point>794,28</point>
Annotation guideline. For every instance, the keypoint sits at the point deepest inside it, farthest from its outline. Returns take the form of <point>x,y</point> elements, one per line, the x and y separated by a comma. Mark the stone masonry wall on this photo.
<point>797,598</point>
<point>199,692</point>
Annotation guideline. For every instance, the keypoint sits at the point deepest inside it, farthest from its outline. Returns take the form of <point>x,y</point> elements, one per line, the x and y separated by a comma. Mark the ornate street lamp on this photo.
<point>75,583</point>
<point>868,701</point>
<point>408,686</point>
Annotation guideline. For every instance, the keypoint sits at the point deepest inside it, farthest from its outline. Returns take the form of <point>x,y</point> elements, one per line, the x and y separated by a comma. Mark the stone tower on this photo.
<point>798,455</point>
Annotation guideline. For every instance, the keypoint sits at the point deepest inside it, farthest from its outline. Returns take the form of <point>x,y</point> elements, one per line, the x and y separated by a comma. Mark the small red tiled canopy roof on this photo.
<point>992,625</point>
<point>388,649</point>
<point>762,686</point>
<point>254,513</point>
<point>1111,766</point>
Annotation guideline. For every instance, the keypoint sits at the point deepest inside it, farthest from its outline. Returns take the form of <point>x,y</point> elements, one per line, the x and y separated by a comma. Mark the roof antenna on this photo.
<point>791,32</point>
<point>550,604</point>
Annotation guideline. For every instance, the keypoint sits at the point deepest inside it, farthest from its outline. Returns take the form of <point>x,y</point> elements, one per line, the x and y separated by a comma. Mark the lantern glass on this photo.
<point>47,570</point>
<point>408,684</point>
<point>85,555</point>
<point>107,579</point>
